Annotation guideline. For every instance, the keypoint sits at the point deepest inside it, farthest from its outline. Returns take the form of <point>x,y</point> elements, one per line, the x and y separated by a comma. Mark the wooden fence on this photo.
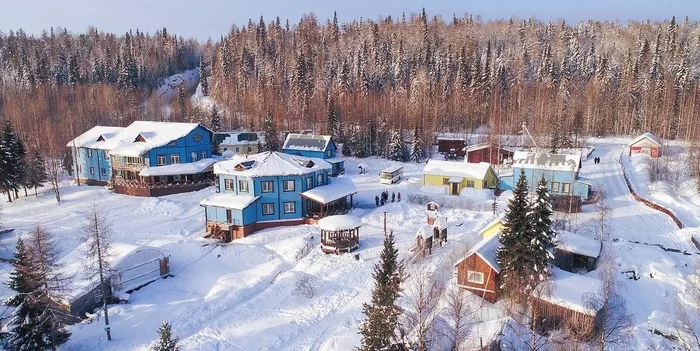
<point>647,202</point>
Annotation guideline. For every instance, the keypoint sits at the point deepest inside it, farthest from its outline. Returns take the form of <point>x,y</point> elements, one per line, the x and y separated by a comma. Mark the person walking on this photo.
<point>393,196</point>
<point>398,196</point>
<point>376,200</point>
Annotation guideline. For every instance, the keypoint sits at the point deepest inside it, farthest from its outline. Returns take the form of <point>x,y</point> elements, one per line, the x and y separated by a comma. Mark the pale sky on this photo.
<point>211,18</point>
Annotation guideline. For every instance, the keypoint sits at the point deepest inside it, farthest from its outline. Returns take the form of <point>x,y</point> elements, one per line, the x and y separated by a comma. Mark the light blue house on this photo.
<point>272,189</point>
<point>318,146</point>
<point>560,171</point>
<point>90,152</point>
<point>162,158</point>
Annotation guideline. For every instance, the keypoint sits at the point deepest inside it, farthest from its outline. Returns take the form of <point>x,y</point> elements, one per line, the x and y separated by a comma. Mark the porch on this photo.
<point>327,200</point>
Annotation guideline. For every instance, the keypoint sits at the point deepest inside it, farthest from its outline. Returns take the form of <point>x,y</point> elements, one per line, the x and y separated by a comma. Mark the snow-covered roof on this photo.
<point>455,180</point>
<point>485,145</point>
<point>178,169</point>
<point>154,134</point>
<point>486,249</point>
<point>340,222</point>
<point>457,169</point>
<point>231,201</point>
<point>338,188</point>
<point>306,142</point>
<point>500,218</point>
<point>97,137</point>
<point>270,163</point>
<point>242,138</point>
<point>552,162</point>
<point>450,138</point>
<point>440,222</point>
<point>578,244</point>
<point>128,261</point>
<point>392,169</point>
<point>425,231</point>
<point>648,135</point>
<point>570,290</point>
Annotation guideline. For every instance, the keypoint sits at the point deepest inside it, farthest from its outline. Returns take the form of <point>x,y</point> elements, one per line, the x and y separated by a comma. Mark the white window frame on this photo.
<point>174,159</point>
<point>92,170</point>
<point>556,186</point>
<point>269,206</point>
<point>204,154</point>
<point>89,153</point>
<point>193,154</point>
<point>287,182</point>
<point>197,138</point>
<point>319,179</point>
<point>472,277</point>
<point>470,183</point>
<point>229,184</point>
<point>164,160</point>
<point>243,186</point>
<point>566,188</point>
<point>267,186</point>
<point>290,207</point>
<point>309,182</point>
<point>104,172</point>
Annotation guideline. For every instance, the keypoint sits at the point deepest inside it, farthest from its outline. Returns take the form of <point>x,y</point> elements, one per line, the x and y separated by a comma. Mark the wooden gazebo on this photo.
<point>340,233</point>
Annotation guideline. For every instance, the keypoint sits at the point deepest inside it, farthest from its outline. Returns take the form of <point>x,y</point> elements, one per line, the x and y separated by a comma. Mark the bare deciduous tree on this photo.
<point>687,312</point>
<point>459,315</point>
<point>422,295</point>
<point>604,211</point>
<point>612,321</point>
<point>96,232</point>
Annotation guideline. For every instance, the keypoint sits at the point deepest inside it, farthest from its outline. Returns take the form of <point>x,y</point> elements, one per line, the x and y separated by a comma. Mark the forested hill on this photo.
<point>371,76</point>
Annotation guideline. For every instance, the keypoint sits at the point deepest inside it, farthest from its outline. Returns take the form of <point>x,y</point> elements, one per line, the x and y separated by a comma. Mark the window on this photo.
<point>89,153</point>
<point>229,184</point>
<point>555,187</point>
<point>92,170</point>
<point>193,154</point>
<point>329,153</point>
<point>288,185</point>
<point>243,186</point>
<point>160,159</point>
<point>268,209</point>
<point>173,143</point>
<point>319,179</point>
<point>470,183</point>
<point>197,138</point>
<point>174,159</point>
<point>250,149</point>
<point>445,181</point>
<point>309,183</point>
<point>104,172</point>
<point>267,186</point>
<point>566,188</point>
<point>106,154</point>
<point>177,178</point>
<point>204,154</point>
<point>290,207</point>
<point>238,149</point>
<point>475,277</point>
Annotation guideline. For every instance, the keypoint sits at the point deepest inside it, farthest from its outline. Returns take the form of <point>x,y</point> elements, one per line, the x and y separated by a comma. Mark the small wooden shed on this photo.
<point>564,302</point>
<point>424,240</point>
<point>647,143</point>
<point>478,271</point>
<point>576,253</point>
<point>340,233</point>
<point>445,144</point>
<point>487,152</point>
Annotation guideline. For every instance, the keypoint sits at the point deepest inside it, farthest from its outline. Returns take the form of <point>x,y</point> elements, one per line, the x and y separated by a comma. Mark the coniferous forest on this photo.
<point>361,80</point>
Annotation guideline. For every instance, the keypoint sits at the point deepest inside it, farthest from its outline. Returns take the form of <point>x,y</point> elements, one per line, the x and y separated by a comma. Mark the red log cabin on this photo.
<point>486,152</point>
<point>479,271</point>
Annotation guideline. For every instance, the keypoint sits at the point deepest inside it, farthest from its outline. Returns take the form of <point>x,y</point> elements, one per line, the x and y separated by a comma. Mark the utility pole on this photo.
<point>384,223</point>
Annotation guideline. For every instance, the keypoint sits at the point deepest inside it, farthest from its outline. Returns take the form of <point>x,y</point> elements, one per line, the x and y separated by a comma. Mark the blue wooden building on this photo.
<point>272,189</point>
<point>90,152</point>
<point>161,158</point>
<point>318,146</point>
<point>559,170</point>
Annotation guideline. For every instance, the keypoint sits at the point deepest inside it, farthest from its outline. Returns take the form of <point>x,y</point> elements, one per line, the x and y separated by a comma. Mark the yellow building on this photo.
<point>494,227</point>
<point>455,176</point>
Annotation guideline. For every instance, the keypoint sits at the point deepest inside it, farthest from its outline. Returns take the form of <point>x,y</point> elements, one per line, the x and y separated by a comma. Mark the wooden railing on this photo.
<point>646,202</point>
<point>159,185</point>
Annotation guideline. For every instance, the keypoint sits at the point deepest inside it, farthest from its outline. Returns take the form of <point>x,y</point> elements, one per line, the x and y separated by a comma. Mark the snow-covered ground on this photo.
<point>241,295</point>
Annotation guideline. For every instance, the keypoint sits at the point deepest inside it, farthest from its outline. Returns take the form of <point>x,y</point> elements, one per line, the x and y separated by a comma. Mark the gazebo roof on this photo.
<point>340,222</point>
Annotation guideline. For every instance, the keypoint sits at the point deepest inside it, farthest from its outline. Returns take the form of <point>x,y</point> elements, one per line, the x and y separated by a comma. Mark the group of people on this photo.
<point>596,160</point>
<point>383,198</point>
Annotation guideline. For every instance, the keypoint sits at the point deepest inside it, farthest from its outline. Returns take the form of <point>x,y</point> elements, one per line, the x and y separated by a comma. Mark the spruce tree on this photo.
<point>203,76</point>
<point>11,155</point>
<point>166,341</point>
<point>36,171</point>
<point>272,143</point>
<point>543,234</point>
<point>215,119</point>
<point>417,146</point>
<point>333,123</point>
<point>24,318</point>
<point>382,314</point>
<point>515,239</point>
<point>397,150</point>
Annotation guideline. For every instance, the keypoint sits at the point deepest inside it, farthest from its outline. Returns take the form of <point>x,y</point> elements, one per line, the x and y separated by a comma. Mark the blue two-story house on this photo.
<point>162,158</point>
<point>272,189</point>
<point>559,170</point>
<point>318,146</point>
<point>90,153</point>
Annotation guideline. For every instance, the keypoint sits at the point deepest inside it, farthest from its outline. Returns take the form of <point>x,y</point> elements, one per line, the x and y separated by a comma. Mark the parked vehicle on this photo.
<point>391,175</point>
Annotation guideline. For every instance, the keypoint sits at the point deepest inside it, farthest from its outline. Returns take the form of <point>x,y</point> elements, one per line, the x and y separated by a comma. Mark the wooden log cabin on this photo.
<point>478,271</point>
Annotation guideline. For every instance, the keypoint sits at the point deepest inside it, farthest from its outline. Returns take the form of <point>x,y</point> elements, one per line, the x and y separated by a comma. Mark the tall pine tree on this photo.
<point>382,314</point>
<point>417,145</point>
<point>215,119</point>
<point>515,238</point>
<point>36,171</point>
<point>272,143</point>
<point>543,235</point>
<point>397,151</point>
<point>333,122</point>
